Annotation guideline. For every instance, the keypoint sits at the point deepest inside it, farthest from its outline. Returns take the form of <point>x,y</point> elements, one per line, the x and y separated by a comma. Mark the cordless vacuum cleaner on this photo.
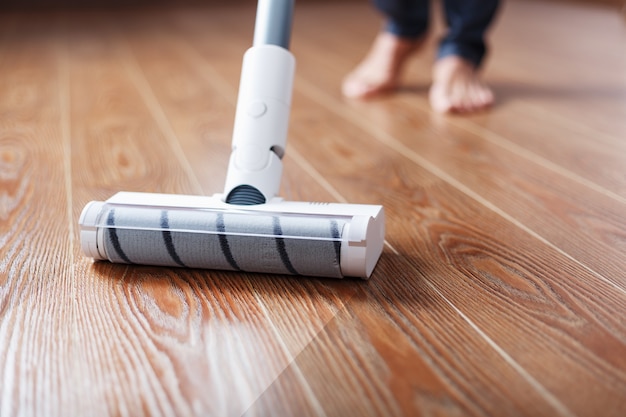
<point>247,228</point>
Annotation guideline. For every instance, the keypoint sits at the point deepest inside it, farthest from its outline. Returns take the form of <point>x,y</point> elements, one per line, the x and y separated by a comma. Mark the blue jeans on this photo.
<point>467,22</point>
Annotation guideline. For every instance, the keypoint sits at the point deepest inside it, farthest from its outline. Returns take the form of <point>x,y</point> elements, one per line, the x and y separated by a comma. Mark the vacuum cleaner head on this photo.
<point>247,228</point>
<point>315,239</point>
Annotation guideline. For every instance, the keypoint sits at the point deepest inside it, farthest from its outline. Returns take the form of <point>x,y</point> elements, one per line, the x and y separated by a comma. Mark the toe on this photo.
<point>352,88</point>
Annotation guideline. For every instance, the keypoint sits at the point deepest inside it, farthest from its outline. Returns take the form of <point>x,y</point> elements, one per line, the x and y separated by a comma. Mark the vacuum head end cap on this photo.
<point>88,231</point>
<point>363,245</point>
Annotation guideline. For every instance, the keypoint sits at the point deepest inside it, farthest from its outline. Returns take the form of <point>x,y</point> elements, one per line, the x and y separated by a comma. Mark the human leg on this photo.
<point>457,86</point>
<point>405,18</point>
<point>380,70</point>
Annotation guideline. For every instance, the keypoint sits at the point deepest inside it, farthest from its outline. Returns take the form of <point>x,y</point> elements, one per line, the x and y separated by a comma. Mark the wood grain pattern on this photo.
<point>501,288</point>
<point>34,228</point>
<point>177,335</point>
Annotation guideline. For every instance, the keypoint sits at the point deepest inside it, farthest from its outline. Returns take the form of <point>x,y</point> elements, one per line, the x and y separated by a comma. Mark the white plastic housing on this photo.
<point>261,120</point>
<point>361,241</point>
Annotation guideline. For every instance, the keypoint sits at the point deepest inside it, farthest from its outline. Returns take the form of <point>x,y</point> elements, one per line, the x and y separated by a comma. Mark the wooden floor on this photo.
<point>501,290</point>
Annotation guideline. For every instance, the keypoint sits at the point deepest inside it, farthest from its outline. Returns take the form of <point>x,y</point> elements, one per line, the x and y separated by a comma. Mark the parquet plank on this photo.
<point>529,79</point>
<point>548,201</point>
<point>583,68</point>
<point>540,287</point>
<point>391,351</point>
<point>35,335</point>
<point>573,88</point>
<point>165,341</point>
<point>586,224</point>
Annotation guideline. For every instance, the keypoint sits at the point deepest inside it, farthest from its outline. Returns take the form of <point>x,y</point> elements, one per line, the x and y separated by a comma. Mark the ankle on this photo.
<point>450,64</point>
<point>398,44</point>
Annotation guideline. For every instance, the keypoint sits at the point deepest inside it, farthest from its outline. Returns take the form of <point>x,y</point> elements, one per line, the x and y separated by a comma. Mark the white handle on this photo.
<point>261,120</point>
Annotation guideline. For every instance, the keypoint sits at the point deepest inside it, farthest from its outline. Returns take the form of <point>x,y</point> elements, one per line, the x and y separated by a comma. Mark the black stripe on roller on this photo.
<point>334,230</point>
<point>167,238</point>
<point>280,245</point>
<point>115,241</point>
<point>221,228</point>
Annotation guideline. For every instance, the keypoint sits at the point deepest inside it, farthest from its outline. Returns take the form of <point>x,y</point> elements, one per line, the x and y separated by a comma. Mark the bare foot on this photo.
<point>457,88</point>
<point>380,70</point>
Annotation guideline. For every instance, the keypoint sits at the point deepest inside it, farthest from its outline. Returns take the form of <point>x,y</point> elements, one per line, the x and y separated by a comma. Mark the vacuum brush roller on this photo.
<point>324,240</point>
